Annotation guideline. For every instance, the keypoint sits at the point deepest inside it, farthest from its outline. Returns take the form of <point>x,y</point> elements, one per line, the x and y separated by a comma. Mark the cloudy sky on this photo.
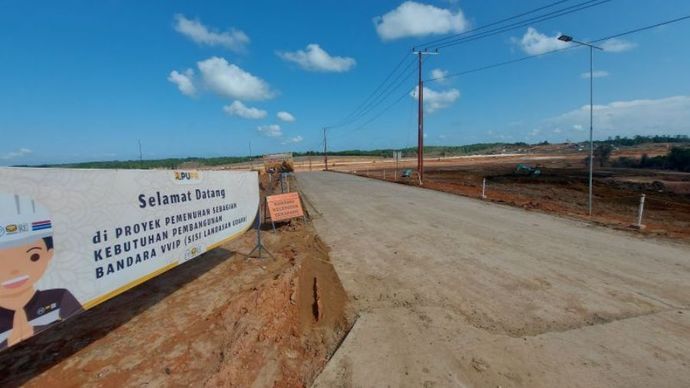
<point>84,80</point>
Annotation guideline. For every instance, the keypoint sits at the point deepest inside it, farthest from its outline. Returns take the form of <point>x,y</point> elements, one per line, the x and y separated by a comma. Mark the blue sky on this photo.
<point>84,80</point>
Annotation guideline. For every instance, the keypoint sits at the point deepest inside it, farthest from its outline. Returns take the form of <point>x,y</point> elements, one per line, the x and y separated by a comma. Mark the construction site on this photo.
<point>560,187</point>
<point>169,218</point>
<point>309,311</point>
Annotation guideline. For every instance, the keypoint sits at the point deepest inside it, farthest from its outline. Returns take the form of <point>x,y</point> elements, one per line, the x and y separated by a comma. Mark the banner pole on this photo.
<point>259,245</point>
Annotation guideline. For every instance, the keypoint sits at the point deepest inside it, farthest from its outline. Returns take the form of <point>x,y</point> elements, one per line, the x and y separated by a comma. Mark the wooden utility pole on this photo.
<point>251,161</point>
<point>325,149</point>
<point>420,115</point>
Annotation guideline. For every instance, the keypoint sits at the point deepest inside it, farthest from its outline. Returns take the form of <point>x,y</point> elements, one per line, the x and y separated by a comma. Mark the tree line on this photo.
<point>432,151</point>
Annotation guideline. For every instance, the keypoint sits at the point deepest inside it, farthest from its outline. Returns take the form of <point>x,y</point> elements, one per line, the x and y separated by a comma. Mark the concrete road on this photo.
<point>453,291</point>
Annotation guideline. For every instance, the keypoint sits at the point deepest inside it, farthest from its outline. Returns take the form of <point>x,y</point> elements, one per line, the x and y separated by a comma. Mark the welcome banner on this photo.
<point>71,239</point>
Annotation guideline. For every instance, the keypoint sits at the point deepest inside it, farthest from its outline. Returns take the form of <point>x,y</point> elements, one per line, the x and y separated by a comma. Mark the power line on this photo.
<point>383,95</point>
<point>386,109</point>
<point>660,24</point>
<point>505,63</point>
<point>380,94</point>
<point>500,64</point>
<point>428,44</point>
<point>402,60</point>
<point>525,23</point>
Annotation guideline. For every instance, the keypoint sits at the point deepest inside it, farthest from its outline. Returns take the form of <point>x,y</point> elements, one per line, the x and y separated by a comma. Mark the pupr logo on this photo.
<point>187,177</point>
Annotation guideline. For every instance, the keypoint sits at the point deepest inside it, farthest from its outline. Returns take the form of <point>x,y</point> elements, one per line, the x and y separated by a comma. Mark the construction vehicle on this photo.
<point>523,169</point>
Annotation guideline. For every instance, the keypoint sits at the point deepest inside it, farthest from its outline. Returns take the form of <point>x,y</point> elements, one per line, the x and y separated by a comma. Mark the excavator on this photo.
<point>523,169</point>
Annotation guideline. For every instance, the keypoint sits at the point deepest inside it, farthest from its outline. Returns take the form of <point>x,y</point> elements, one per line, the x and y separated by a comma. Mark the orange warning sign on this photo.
<point>283,207</point>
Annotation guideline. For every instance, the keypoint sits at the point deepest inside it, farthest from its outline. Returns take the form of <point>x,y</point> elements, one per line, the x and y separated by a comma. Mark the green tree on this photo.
<point>679,159</point>
<point>602,153</point>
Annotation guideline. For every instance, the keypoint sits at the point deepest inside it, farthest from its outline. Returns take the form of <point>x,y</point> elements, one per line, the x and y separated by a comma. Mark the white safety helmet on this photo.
<point>22,220</point>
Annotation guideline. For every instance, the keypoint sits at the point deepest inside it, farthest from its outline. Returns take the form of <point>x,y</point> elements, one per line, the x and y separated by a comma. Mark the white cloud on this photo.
<point>237,108</point>
<point>595,74</point>
<point>184,81</point>
<point>317,59</point>
<point>416,20</point>
<point>294,140</point>
<point>535,43</point>
<point>285,116</point>
<point>439,75</point>
<point>15,154</point>
<point>233,39</point>
<point>229,80</point>
<point>434,100</point>
<point>272,130</point>
<point>617,45</point>
<point>663,116</point>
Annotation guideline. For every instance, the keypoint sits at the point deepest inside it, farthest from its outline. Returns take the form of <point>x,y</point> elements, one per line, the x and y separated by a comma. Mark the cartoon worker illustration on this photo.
<point>26,249</point>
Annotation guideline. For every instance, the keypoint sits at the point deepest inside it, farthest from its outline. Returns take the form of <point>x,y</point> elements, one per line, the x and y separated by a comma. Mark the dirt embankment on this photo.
<point>218,320</point>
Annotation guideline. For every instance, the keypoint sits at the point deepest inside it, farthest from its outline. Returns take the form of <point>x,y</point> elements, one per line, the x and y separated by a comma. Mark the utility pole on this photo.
<point>420,120</point>
<point>251,161</point>
<point>141,156</point>
<point>325,149</point>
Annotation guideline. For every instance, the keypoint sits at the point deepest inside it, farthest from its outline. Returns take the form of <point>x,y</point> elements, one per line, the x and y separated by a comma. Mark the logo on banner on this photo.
<point>14,228</point>
<point>193,252</point>
<point>187,177</point>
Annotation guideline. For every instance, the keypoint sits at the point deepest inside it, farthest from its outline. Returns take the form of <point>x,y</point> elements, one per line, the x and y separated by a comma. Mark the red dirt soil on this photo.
<point>218,320</point>
<point>562,189</point>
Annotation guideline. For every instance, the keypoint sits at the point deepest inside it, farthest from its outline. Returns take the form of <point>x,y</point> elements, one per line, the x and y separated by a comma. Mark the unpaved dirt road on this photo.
<point>453,291</point>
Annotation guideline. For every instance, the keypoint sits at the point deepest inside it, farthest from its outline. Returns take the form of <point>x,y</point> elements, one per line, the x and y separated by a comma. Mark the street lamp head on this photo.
<point>565,38</point>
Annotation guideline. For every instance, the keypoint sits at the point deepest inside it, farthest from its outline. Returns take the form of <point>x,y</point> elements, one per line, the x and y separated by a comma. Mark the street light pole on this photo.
<point>567,38</point>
